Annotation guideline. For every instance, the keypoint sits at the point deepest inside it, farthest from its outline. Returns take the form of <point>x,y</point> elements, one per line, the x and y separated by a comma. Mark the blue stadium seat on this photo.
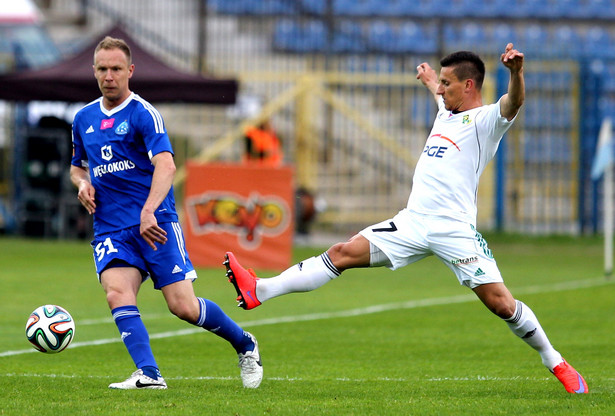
<point>381,37</point>
<point>548,112</point>
<point>570,9</point>
<point>357,7</point>
<point>317,7</point>
<point>549,148</point>
<point>291,36</point>
<point>567,42</point>
<point>316,36</point>
<point>287,34</point>
<point>502,34</point>
<point>606,107</point>
<point>608,79</point>
<point>600,9</point>
<point>472,37</point>
<point>534,41</point>
<point>598,43</point>
<point>398,8</point>
<point>451,37</point>
<point>430,8</point>
<point>231,7</point>
<point>524,9</point>
<point>348,37</point>
<point>412,37</point>
<point>488,8</point>
<point>269,7</point>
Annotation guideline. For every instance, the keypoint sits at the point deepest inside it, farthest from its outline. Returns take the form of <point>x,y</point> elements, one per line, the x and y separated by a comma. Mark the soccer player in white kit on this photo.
<point>440,216</point>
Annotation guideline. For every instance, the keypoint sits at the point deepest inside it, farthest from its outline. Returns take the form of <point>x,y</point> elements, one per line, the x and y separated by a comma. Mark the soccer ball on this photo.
<point>50,329</point>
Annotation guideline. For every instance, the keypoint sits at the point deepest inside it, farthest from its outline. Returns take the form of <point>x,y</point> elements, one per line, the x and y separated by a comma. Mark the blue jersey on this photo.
<point>117,146</point>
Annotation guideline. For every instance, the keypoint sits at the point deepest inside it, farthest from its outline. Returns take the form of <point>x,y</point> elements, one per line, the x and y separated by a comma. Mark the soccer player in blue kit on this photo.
<point>440,216</point>
<point>123,168</point>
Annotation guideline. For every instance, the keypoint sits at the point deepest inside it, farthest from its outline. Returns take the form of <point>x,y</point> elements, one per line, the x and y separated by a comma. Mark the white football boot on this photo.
<point>138,380</point>
<point>251,367</point>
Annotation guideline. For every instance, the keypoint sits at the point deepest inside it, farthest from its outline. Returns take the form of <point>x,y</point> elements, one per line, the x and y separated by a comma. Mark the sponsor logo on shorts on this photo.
<point>467,260</point>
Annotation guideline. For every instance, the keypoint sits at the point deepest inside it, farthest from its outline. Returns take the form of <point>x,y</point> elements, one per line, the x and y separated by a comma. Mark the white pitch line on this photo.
<point>293,379</point>
<point>412,304</point>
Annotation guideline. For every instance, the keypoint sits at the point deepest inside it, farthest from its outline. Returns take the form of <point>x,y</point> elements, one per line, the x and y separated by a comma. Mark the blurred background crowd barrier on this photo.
<point>336,80</point>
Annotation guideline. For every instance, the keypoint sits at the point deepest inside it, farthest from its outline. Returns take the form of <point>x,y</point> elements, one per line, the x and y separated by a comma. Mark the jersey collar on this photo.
<point>120,107</point>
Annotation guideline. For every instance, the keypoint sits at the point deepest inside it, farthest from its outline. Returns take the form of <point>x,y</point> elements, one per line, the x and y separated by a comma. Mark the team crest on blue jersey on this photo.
<point>122,129</point>
<point>106,152</point>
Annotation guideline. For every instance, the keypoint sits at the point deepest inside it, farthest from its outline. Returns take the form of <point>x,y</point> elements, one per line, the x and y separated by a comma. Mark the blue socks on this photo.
<point>213,319</point>
<point>136,339</point>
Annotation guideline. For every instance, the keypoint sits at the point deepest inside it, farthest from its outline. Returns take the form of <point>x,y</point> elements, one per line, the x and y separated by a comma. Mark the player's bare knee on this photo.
<point>500,307</point>
<point>183,311</point>
<point>336,252</point>
<point>116,298</point>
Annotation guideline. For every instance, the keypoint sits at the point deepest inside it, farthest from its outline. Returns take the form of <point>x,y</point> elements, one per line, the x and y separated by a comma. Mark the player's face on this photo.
<point>451,89</point>
<point>112,71</point>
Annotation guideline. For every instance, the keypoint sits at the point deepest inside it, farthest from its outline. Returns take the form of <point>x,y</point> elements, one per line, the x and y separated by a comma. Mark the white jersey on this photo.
<point>458,148</point>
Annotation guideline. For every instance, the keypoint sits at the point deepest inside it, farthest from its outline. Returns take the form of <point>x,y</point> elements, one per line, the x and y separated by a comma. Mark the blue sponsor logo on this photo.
<point>122,129</point>
<point>435,151</point>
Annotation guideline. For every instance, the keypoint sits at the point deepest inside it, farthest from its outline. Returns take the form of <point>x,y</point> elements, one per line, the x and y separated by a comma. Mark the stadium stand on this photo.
<point>370,38</point>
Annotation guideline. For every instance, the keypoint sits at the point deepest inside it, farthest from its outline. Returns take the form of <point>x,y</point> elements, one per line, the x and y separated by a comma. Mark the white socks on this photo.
<point>525,325</point>
<point>307,275</point>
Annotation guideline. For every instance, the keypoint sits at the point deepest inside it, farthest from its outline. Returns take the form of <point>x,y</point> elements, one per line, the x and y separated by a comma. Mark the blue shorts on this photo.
<point>168,264</point>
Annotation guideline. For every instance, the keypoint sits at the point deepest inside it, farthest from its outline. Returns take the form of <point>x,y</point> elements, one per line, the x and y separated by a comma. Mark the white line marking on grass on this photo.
<point>412,304</point>
<point>346,379</point>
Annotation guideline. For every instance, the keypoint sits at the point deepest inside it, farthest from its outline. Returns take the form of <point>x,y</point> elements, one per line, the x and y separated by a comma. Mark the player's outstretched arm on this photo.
<point>513,100</point>
<point>427,75</point>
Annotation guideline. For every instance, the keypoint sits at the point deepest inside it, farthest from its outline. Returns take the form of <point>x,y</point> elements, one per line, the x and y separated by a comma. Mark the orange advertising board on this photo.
<point>246,209</point>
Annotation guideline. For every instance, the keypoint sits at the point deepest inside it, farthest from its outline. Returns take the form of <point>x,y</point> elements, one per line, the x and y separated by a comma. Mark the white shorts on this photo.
<point>409,237</point>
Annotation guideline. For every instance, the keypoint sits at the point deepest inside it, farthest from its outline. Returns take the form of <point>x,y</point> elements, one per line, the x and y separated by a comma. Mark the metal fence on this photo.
<point>340,90</point>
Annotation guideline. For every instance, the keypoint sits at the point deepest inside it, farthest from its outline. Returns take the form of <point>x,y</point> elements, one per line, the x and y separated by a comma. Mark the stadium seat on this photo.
<point>534,41</point>
<point>451,37</point>
<point>487,8</point>
<point>357,7</point>
<point>287,35</point>
<point>381,37</point>
<point>231,7</point>
<point>316,36</point>
<point>292,36</point>
<point>606,106</point>
<point>570,9</point>
<point>502,34</point>
<point>398,8</point>
<point>567,42</point>
<point>412,37</point>
<point>348,37</point>
<point>598,43</point>
<point>547,148</point>
<point>548,112</point>
<point>316,7</point>
<point>269,7</point>
<point>608,79</point>
<point>472,36</point>
<point>600,9</point>
<point>430,8</point>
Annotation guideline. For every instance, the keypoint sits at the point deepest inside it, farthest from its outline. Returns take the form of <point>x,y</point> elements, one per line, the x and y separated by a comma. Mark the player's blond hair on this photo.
<point>114,43</point>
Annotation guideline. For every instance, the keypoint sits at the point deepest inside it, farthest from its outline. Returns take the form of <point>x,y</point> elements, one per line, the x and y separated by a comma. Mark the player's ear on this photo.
<point>470,84</point>
<point>131,69</point>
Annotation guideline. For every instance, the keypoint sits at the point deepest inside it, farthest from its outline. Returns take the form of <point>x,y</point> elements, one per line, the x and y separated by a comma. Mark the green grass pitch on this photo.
<point>372,342</point>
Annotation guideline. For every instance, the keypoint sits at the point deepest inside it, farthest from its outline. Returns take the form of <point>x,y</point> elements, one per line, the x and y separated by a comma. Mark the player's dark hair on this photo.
<point>466,65</point>
<point>113,43</point>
